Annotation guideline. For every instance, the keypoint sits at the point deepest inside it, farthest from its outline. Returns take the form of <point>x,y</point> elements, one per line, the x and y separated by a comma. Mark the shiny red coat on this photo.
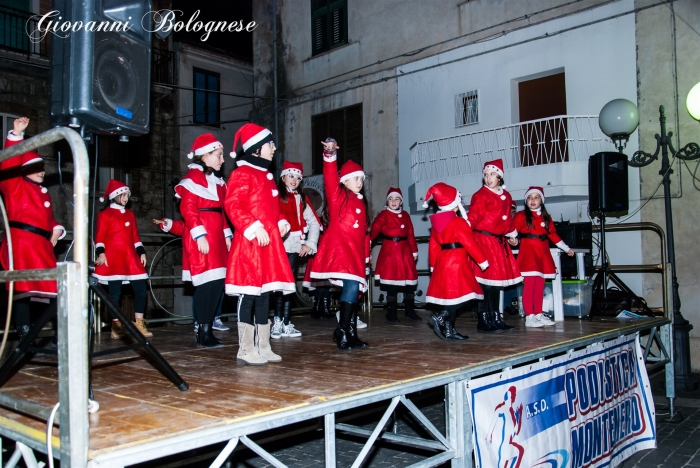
<point>118,235</point>
<point>534,256</point>
<point>396,263</point>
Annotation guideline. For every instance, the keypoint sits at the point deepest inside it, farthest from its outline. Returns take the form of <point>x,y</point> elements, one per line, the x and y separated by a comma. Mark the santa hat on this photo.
<point>30,157</point>
<point>496,165</point>
<point>114,188</point>
<point>203,144</point>
<point>349,170</point>
<point>446,196</point>
<point>538,190</point>
<point>292,168</point>
<point>394,192</point>
<point>252,136</point>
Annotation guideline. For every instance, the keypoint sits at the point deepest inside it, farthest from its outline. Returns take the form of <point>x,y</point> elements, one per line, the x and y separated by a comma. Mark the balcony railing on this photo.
<point>16,27</point>
<point>545,141</point>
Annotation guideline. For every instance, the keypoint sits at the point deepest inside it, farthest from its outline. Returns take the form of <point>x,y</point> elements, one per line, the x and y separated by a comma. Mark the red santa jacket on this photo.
<point>344,252</point>
<point>534,256</point>
<point>491,222</point>
<point>251,203</point>
<point>29,203</point>
<point>118,237</point>
<point>396,261</point>
<point>201,206</point>
<point>304,226</point>
<point>451,247</point>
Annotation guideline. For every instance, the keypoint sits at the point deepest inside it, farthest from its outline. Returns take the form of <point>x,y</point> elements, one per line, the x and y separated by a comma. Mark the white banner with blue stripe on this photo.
<point>588,408</point>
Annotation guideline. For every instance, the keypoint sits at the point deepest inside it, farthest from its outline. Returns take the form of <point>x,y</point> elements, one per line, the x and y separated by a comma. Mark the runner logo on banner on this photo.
<point>590,408</point>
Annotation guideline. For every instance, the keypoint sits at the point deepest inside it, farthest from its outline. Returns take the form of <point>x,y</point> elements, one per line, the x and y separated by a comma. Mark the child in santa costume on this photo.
<point>492,224</point>
<point>343,256</point>
<point>121,257</point>
<point>257,262</point>
<point>300,241</point>
<point>452,282</point>
<point>33,229</point>
<point>535,261</point>
<point>208,237</point>
<point>396,263</point>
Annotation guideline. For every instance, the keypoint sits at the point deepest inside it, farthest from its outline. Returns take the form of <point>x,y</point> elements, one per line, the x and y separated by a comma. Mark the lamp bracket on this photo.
<point>688,152</point>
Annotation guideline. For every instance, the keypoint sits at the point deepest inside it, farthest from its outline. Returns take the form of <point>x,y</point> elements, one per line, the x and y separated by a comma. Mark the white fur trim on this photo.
<point>396,282</point>
<point>123,278</point>
<point>425,204</point>
<point>138,244</point>
<point>246,163</point>
<point>458,300</point>
<point>205,192</point>
<point>205,149</point>
<point>291,171</point>
<point>228,232</point>
<point>284,222</point>
<point>456,202</point>
<point>394,194</point>
<point>33,294</point>
<point>99,244</point>
<point>336,278</point>
<point>186,276</point>
<point>351,175</point>
<point>415,254</point>
<point>167,224</point>
<point>495,169</point>
<point>330,158</point>
<point>32,161</point>
<point>63,231</point>
<point>117,206</point>
<point>534,191</point>
<point>513,233</point>
<point>285,288</point>
<point>249,233</point>
<point>539,273</point>
<point>198,231</point>
<point>119,191</point>
<point>257,138</point>
<point>562,245</point>
<point>207,276</point>
<point>509,282</point>
<point>12,137</point>
<point>484,265</point>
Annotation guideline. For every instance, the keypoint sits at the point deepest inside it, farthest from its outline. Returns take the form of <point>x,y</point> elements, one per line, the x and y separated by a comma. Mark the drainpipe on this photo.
<point>278,158</point>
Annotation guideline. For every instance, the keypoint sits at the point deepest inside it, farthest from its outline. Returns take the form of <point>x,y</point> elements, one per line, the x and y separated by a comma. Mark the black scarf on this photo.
<point>254,161</point>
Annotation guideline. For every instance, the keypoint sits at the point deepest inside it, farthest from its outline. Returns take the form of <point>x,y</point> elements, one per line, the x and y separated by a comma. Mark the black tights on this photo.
<point>261,304</point>
<point>139,287</point>
<point>492,299</point>
<point>22,310</point>
<point>206,300</point>
<point>394,290</point>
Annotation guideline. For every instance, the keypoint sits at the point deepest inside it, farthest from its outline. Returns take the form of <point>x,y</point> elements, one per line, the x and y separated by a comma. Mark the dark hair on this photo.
<point>501,180</point>
<point>198,160</point>
<point>348,194</point>
<point>545,215</point>
<point>282,189</point>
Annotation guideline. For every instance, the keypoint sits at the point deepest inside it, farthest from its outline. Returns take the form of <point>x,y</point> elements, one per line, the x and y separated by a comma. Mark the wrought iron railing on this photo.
<point>19,32</point>
<point>544,141</point>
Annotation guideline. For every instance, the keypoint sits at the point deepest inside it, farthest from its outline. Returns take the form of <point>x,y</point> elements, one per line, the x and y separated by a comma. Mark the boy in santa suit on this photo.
<point>257,263</point>
<point>452,282</point>
<point>207,238</point>
<point>121,257</point>
<point>396,264</point>
<point>33,229</point>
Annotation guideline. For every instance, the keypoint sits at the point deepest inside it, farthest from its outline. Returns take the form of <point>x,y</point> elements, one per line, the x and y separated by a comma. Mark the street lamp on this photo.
<point>618,119</point>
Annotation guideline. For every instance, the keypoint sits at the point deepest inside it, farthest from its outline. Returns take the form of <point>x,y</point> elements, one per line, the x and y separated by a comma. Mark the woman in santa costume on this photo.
<point>396,264</point>
<point>344,253</point>
<point>208,237</point>
<point>33,229</point>
<point>536,229</point>
<point>492,224</point>
<point>300,241</point>
<point>452,282</point>
<point>257,262</point>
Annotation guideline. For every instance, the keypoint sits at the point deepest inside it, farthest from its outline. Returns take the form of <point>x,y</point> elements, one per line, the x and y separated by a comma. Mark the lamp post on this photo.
<point>617,120</point>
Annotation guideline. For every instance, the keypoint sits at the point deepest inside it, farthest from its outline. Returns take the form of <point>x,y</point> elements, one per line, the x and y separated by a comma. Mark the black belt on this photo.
<point>453,245</point>
<point>213,210</point>
<point>542,237</point>
<point>29,228</point>
<point>501,239</point>
<point>396,239</point>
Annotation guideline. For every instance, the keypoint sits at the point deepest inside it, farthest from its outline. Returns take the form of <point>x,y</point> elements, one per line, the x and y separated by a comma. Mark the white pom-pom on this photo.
<point>190,155</point>
<point>127,223</point>
<point>503,197</point>
<point>505,217</point>
<point>47,204</point>
<point>358,211</point>
<point>402,226</point>
<point>542,224</point>
<point>359,195</point>
<point>269,176</point>
<point>275,193</point>
<point>356,225</point>
<point>232,154</point>
<point>425,204</point>
<point>43,190</point>
<point>400,216</point>
<point>102,199</point>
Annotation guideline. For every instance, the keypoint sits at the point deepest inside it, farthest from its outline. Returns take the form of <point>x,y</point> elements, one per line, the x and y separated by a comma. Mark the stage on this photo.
<point>142,416</point>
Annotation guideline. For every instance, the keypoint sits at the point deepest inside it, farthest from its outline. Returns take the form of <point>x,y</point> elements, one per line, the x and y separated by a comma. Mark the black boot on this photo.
<point>342,331</point>
<point>497,319</point>
<point>485,325</point>
<point>409,302</point>
<point>326,308</point>
<point>316,310</point>
<point>391,309</point>
<point>205,337</point>
<point>450,333</point>
<point>437,321</point>
<point>355,342</point>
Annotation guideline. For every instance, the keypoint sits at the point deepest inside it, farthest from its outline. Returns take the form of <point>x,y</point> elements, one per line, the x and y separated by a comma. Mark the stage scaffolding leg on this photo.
<point>667,340</point>
<point>458,424</point>
<point>329,439</point>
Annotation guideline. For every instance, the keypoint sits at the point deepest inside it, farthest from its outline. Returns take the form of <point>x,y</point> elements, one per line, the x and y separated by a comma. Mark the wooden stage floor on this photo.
<point>138,406</point>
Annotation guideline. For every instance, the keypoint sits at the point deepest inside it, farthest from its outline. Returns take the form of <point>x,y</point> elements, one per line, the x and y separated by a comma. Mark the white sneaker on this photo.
<point>337,316</point>
<point>219,325</point>
<point>360,324</point>
<point>546,321</point>
<point>531,321</point>
<point>276,329</point>
<point>196,326</point>
<point>289,330</point>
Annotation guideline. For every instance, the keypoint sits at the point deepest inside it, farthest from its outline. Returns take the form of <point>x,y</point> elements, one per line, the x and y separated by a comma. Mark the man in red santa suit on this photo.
<point>257,263</point>
<point>33,229</point>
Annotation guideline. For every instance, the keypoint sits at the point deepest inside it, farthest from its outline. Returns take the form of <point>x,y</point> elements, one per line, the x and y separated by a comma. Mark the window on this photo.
<point>329,25</point>
<point>206,103</point>
<point>7,124</point>
<point>345,125</point>
<point>467,108</point>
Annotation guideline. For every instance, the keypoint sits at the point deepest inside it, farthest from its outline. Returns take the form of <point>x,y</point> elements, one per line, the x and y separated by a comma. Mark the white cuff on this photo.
<point>330,158</point>
<point>99,244</point>
<point>431,269</point>
<point>284,222</point>
<point>484,265</point>
<point>514,233</point>
<point>12,137</point>
<point>138,244</point>
<point>198,231</point>
<point>250,232</point>
<point>415,254</point>
<point>63,231</point>
<point>562,245</point>
<point>228,233</point>
<point>167,225</point>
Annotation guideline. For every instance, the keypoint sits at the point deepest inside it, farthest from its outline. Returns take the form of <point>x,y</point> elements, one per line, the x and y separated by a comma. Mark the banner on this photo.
<point>589,408</point>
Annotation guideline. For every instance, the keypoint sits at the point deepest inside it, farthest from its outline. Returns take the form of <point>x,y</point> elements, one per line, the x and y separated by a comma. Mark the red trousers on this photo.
<point>533,294</point>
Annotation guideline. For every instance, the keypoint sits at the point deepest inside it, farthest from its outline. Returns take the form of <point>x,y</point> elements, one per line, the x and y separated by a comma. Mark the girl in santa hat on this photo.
<point>33,230</point>
<point>344,253</point>
<point>257,262</point>
<point>208,237</point>
<point>396,264</point>
<point>121,256</point>
<point>300,241</point>
<point>492,224</point>
<point>452,282</point>
<point>536,228</point>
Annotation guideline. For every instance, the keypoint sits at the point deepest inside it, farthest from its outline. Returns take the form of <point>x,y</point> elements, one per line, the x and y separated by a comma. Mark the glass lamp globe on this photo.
<point>692,102</point>
<point>619,118</point>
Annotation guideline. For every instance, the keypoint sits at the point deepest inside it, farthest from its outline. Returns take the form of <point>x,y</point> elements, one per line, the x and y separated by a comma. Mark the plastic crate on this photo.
<point>578,297</point>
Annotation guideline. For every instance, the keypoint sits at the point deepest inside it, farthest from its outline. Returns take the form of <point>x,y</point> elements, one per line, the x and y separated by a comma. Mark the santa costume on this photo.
<point>451,247</point>
<point>396,263</point>
<point>201,195</point>
<point>30,216</point>
<point>492,224</point>
<point>534,257</point>
<point>255,270</point>
<point>343,256</point>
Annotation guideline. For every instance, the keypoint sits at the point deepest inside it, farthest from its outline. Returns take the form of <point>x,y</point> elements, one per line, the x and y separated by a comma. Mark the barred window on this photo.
<point>467,108</point>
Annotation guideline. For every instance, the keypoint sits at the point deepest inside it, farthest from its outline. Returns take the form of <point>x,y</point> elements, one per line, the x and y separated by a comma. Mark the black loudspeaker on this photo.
<point>607,183</point>
<point>101,66</point>
<point>575,235</point>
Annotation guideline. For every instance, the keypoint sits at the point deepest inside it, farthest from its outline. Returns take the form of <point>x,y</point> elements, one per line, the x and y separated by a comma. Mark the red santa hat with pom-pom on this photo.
<point>394,192</point>
<point>446,196</point>
<point>114,188</point>
<point>29,158</point>
<point>292,168</point>
<point>537,190</point>
<point>349,170</point>
<point>496,166</point>
<point>251,136</point>
<point>203,144</point>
